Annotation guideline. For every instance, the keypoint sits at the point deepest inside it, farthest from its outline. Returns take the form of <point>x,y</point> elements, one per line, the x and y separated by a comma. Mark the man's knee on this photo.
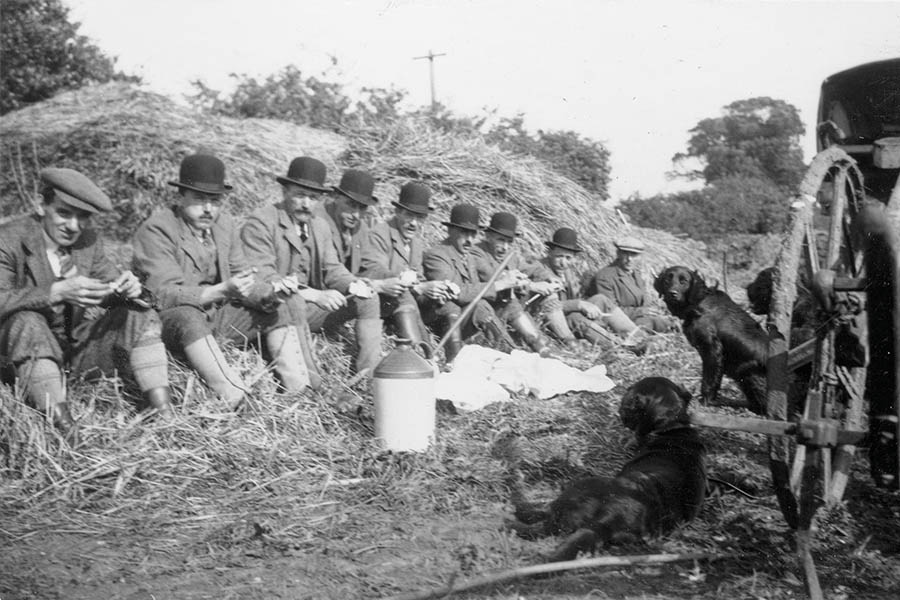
<point>367,308</point>
<point>603,302</point>
<point>26,335</point>
<point>182,325</point>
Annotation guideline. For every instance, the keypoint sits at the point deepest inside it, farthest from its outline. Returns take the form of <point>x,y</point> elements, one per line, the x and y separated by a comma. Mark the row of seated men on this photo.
<point>309,262</point>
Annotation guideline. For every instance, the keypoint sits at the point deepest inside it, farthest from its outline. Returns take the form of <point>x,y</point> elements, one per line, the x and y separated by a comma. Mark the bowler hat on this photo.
<point>76,190</point>
<point>464,216</point>
<point>630,244</point>
<point>414,198</point>
<point>306,172</point>
<point>202,173</point>
<point>357,185</point>
<point>504,223</point>
<point>566,239</point>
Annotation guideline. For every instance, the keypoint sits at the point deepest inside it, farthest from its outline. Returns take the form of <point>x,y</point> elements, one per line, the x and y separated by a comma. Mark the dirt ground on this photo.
<point>372,525</point>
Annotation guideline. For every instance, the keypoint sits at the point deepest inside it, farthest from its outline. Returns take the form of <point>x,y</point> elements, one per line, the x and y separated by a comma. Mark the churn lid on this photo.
<point>403,363</point>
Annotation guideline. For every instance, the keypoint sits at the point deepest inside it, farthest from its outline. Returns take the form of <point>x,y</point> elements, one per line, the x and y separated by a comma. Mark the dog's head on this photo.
<point>654,404</point>
<point>759,291</point>
<point>681,289</point>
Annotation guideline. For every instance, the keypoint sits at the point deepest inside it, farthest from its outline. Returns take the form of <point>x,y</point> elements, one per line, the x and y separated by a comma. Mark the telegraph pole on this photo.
<point>431,56</point>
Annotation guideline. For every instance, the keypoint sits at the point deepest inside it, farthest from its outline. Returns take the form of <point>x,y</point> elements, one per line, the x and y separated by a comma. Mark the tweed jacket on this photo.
<point>572,292</point>
<point>487,264</point>
<point>359,240</point>
<point>627,290</point>
<point>445,262</point>
<point>387,255</point>
<point>25,271</point>
<point>167,257</point>
<point>272,245</point>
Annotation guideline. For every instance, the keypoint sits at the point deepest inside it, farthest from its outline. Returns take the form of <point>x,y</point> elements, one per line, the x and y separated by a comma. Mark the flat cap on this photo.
<point>76,190</point>
<point>630,244</point>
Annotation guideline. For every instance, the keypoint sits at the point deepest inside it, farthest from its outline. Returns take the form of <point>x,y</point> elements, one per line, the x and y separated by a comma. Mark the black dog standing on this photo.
<point>729,340</point>
<point>662,486</point>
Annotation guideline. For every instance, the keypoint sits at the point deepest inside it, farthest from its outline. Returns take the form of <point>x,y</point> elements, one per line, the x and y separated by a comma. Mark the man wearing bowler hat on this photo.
<point>569,314</point>
<point>622,282</point>
<point>454,262</point>
<point>526,277</point>
<point>297,251</point>
<point>192,258</point>
<point>65,305</point>
<point>394,263</point>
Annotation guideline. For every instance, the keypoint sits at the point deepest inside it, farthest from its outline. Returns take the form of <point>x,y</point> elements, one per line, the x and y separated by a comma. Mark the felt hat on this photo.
<point>504,223</point>
<point>357,185</point>
<point>76,190</point>
<point>464,216</point>
<point>414,198</point>
<point>307,172</point>
<point>202,173</point>
<point>630,244</point>
<point>566,239</point>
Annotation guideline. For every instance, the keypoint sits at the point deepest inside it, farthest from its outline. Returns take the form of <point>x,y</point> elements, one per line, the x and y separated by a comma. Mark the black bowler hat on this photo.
<point>357,185</point>
<point>464,216</point>
<point>566,239</point>
<point>414,198</point>
<point>504,223</point>
<point>73,188</point>
<point>202,173</point>
<point>306,172</point>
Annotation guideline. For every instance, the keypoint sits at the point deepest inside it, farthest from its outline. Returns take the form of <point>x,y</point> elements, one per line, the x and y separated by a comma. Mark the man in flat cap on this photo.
<point>525,277</point>
<point>65,305</point>
<point>191,256</point>
<point>394,263</point>
<point>297,251</point>
<point>453,262</point>
<point>569,314</point>
<point>622,282</point>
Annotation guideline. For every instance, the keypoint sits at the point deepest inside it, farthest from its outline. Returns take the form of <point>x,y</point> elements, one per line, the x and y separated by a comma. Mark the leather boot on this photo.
<point>597,336</point>
<point>368,339</point>
<point>159,398</point>
<point>526,328</point>
<point>66,424</point>
<point>407,324</point>
<point>286,350</point>
<point>556,323</point>
<point>496,335</point>
<point>207,359</point>
<point>309,356</point>
<point>454,341</point>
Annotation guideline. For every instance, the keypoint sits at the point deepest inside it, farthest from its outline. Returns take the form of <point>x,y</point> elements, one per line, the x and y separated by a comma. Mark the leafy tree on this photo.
<point>756,137</point>
<point>43,53</point>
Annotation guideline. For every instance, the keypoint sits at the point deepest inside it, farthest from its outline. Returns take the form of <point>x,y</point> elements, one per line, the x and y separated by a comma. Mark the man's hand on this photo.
<point>591,311</point>
<point>389,287</point>
<point>238,286</point>
<point>544,288</point>
<point>507,280</point>
<point>330,300</point>
<point>127,285</point>
<point>434,290</point>
<point>79,290</point>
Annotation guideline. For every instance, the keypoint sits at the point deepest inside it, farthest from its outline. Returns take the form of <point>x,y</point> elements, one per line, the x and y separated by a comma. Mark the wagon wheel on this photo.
<point>820,238</point>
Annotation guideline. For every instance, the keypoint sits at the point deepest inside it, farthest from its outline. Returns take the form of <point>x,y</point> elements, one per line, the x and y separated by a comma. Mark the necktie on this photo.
<point>67,266</point>
<point>303,231</point>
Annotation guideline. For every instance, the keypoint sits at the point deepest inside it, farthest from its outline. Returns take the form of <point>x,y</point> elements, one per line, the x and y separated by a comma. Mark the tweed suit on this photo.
<point>629,292</point>
<point>507,304</point>
<point>569,299</point>
<point>170,258</point>
<point>90,341</point>
<point>388,255</point>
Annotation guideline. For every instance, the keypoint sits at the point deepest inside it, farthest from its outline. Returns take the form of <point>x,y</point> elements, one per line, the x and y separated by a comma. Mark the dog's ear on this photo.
<point>682,393</point>
<point>697,291</point>
<point>659,284</point>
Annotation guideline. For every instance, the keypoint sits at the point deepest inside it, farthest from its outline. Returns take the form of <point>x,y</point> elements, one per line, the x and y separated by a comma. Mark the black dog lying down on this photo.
<point>729,341</point>
<point>662,486</point>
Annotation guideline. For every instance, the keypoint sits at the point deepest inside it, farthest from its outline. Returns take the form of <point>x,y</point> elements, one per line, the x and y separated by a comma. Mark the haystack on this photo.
<point>131,141</point>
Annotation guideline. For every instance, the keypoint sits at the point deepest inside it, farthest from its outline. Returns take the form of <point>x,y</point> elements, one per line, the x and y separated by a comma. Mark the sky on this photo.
<point>636,75</point>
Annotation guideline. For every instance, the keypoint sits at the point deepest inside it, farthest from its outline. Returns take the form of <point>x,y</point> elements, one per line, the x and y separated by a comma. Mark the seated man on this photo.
<point>64,305</point>
<point>454,263</point>
<point>568,314</point>
<point>524,277</point>
<point>296,250</point>
<point>192,258</point>
<point>622,283</point>
<point>394,263</point>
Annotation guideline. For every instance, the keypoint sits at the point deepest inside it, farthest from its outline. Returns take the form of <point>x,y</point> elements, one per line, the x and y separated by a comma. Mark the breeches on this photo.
<point>356,308</point>
<point>436,315</point>
<point>101,346</point>
<point>182,325</point>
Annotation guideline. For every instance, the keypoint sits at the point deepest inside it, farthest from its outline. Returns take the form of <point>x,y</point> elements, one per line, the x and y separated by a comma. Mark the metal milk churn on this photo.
<point>404,400</point>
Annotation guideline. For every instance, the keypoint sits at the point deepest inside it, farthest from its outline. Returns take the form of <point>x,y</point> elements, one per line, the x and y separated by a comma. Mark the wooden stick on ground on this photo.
<point>585,563</point>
